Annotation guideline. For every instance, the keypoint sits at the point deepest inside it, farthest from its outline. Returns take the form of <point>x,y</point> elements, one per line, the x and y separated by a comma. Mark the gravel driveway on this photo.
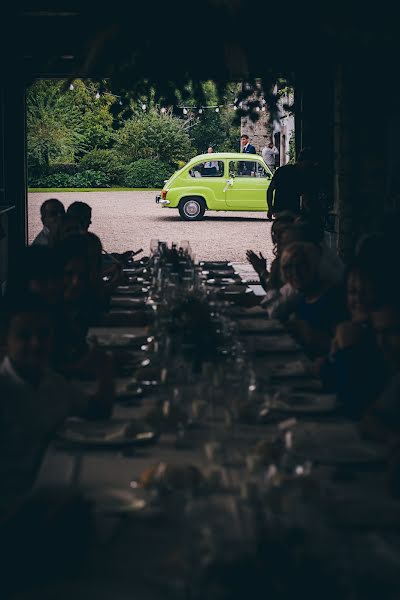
<point>129,220</point>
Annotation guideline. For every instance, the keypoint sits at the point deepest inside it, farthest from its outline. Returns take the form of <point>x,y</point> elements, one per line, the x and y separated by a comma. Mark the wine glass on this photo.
<point>154,246</point>
<point>185,245</point>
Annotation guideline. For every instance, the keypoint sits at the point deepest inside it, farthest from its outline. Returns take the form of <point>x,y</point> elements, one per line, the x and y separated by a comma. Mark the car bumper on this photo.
<point>159,200</point>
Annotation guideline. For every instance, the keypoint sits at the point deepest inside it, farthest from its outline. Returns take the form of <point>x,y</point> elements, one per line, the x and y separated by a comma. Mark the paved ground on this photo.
<point>129,220</point>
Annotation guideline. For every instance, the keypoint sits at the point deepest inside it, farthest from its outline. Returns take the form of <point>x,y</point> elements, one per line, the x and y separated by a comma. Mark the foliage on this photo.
<point>113,188</point>
<point>106,161</point>
<point>216,130</point>
<point>153,135</point>
<point>52,132</point>
<point>87,178</point>
<point>63,124</point>
<point>84,134</point>
<point>292,148</point>
<point>147,173</point>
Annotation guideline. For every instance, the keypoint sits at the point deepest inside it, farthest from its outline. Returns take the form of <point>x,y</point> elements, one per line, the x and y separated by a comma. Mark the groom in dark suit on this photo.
<point>246,146</point>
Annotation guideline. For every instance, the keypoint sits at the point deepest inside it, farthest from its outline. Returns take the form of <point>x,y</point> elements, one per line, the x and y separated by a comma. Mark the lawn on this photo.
<point>113,189</point>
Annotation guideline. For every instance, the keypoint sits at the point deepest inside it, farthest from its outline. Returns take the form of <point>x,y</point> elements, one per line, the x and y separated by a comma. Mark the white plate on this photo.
<point>259,326</point>
<point>305,403</point>
<point>112,433</point>
<point>123,340</point>
<point>118,501</point>
<point>127,301</point>
<point>256,312</point>
<point>350,453</point>
<point>272,343</point>
<point>296,368</point>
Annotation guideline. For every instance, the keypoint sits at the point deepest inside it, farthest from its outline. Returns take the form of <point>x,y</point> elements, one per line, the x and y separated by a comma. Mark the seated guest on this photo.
<point>271,279</point>
<point>80,305</point>
<point>51,211</point>
<point>35,399</point>
<point>67,226</point>
<point>355,369</point>
<point>382,420</point>
<point>105,278</point>
<point>37,271</point>
<point>331,268</point>
<point>83,212</point>
<point>319,307</point>
<point>83,306</point>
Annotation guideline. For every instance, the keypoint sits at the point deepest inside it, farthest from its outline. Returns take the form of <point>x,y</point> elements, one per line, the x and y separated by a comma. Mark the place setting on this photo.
<point>106,434</point>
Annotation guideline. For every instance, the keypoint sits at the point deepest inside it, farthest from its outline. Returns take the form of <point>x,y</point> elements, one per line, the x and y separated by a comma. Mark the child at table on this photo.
<point>382,419</point>
<point>355,369</point>
<point>34,399</point>
<point>320,304</point>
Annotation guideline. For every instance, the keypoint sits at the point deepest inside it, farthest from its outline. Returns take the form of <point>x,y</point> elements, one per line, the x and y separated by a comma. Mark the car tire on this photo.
<point>192,208</point>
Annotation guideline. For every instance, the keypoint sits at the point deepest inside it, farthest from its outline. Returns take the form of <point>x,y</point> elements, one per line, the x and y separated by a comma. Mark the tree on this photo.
<point>95,117</point>
<point>64,124</point>
<point>153,135</point>
<point>216,130</point>
<point>49,131</point>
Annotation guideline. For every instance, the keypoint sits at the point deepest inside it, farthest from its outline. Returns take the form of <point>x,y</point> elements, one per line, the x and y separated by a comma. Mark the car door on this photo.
<point>208,179</point>
<point>247,186</point>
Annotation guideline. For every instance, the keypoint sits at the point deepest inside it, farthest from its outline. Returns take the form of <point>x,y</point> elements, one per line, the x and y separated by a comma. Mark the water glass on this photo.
<point>154,246</point>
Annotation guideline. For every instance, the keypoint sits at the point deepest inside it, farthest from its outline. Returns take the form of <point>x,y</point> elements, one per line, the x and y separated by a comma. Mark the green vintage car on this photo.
<point>217,181</point>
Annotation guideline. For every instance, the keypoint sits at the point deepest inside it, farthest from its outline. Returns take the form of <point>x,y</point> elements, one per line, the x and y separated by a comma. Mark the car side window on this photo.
<point>243,168</point>
<point>262,172</point>
<point>247,168</point>
<point>208,168</point>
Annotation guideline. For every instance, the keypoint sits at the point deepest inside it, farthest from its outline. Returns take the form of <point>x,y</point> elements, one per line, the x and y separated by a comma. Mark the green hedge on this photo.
<point>147,173</point>
<point>83,179</point>
<point>106,161</point>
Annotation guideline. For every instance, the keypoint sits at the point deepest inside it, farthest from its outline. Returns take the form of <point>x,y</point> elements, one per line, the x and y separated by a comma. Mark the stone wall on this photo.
<point>263,131</point>
<point>361,162</point>
<point>259,132</point>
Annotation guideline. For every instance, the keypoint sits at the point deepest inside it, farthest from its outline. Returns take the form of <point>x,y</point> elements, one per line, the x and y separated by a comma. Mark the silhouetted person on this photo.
<point>290,182</point>
<point>51,212</point>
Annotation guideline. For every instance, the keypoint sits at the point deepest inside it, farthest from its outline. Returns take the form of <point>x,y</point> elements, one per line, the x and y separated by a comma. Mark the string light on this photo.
<point>185,109</point>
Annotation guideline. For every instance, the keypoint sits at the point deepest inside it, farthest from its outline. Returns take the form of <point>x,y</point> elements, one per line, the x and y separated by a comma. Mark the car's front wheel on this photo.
<point>192,209</point>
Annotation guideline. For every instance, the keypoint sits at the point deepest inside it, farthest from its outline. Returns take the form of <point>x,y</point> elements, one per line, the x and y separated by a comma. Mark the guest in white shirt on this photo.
<point>210,168</point>
<point>382,420</point>
<point>269,153</point>
<point>34,399</point>
<point>51,212</point>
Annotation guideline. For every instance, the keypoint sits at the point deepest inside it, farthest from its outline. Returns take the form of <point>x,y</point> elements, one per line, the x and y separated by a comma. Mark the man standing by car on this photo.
<point>290,182</point>
<point>247,148</point>
<point>269,154</point>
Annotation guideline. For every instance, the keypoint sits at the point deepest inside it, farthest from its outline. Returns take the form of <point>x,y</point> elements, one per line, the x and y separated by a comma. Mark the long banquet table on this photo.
<point>332,485</point>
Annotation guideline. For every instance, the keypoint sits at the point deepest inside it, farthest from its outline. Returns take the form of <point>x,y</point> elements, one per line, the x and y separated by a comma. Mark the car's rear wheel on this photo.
<point>192,208</point>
